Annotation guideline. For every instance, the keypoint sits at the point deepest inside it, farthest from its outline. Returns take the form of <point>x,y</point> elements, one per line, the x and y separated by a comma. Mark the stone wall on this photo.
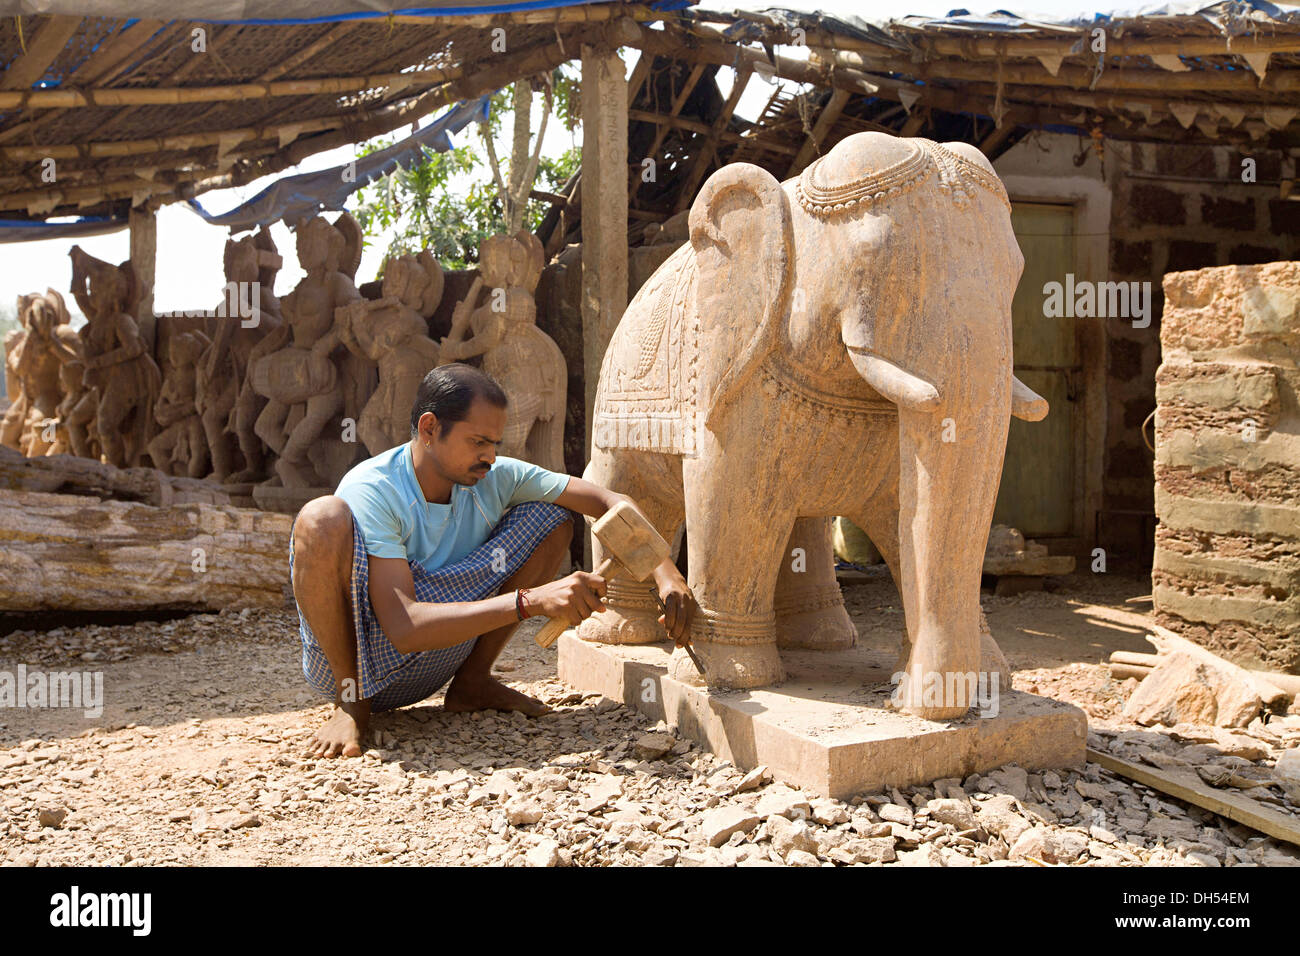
<point>1227,493</point>
<point>1175,208</point>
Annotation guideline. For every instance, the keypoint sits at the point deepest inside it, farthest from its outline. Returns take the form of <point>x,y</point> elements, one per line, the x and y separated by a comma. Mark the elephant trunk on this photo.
<point>950,465</point>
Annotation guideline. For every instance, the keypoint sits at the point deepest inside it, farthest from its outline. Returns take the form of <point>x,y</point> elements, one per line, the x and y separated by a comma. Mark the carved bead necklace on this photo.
<point>901,177</point>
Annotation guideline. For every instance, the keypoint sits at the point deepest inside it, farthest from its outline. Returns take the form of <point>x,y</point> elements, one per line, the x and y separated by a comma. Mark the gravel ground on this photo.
<point>198,758</point>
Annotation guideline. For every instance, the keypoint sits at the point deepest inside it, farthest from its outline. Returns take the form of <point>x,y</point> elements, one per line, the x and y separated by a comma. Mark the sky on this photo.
<point>189,264</point>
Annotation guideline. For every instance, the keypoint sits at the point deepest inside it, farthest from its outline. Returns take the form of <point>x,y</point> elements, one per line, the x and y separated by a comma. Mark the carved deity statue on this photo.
<point>245,320</point>
<point>393,333</point>
<point>125,378</point>
<point>525,360</point>
<point>180,447</point>
<point>44,345</point>
<point>309,394</point>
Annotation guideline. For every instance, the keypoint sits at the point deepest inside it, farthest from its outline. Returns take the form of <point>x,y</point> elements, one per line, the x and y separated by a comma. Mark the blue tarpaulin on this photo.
<point>303,196</point>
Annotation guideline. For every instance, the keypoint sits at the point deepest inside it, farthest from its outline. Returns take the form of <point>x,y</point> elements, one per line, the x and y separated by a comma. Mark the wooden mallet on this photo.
<point>634,547</point>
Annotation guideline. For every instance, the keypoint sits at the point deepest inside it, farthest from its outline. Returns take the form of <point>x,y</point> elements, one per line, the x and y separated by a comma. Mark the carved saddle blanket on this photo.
<point>646,399</point>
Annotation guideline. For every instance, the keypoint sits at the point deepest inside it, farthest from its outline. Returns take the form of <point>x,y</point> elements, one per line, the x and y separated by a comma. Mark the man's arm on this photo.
<point>679,604</point>
<point>412,626</point>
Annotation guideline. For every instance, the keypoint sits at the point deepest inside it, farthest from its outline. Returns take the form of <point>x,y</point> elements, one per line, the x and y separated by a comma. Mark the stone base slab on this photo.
<point>827,728</point>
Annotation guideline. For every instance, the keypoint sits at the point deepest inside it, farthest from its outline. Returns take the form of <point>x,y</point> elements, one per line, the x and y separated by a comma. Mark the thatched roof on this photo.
<point>1222,74</point>
<point>129,112</point>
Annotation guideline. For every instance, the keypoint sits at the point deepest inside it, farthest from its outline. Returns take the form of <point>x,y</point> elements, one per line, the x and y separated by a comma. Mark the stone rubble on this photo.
<point>199,759</point>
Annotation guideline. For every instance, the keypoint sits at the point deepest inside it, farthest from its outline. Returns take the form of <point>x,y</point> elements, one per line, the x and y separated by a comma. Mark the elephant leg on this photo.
<point>880,522</point>
<point>809,605</point>
<point>654,482</point>
<point>738,531</point>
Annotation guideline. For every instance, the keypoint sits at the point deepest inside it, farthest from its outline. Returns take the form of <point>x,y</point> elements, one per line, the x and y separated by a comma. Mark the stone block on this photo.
<point>827,728</point>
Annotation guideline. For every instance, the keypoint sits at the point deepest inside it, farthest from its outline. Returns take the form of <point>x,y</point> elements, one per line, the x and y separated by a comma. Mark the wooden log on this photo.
<point>64,552</point>
<point>1191,789</point>
<point>1121,671</point>
<point>71,475</point>
<point>1134,664</point>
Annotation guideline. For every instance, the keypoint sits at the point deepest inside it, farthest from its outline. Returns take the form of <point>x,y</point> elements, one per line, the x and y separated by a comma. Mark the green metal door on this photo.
<point>1038,476</point>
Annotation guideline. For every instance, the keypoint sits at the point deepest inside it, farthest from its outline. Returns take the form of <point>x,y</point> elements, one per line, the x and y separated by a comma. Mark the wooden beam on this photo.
<point>1115,46</point>
<point>695,126</point>
<point>811,147</point>
<point>1079,77</point>
<point>989,144</point>
<point>695,175</point>
<point>1190,788</point>
<point>915,122</point>
<point>605,202</point>
<point>42,50</point>
<point>661,133</point>
<point>173,96</point>
<point>1129,45</point>
<point>113,51</point>
<point>1112,103</point>
<point>667,43</point>
<point>143,224</point>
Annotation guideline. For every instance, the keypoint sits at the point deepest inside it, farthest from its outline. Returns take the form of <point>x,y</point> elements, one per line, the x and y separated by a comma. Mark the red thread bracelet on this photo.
<point>520,605</point>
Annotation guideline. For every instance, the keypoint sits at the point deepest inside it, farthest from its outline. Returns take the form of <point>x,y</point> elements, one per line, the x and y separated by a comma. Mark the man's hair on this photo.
<point>449,391</point>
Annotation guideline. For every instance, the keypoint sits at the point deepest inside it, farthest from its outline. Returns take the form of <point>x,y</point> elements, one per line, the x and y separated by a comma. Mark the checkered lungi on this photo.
<point>392,679</point>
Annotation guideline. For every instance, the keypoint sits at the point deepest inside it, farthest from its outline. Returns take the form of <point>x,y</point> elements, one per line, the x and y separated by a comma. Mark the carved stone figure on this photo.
<point>49,345</point>
<point>14,422</point>
<point>839,344</point>
<point>525,360</point>
<point>119,369</point>
<point>309,393</point>
<point>248,314</point>
<point>180,447</point>
<point>393,333</point>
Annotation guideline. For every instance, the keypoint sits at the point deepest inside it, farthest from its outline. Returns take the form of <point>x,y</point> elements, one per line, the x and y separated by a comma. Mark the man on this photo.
<point>418,568</point>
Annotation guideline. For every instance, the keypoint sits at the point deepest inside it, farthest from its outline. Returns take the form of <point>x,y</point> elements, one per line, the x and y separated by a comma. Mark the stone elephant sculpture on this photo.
<point>838,344</point>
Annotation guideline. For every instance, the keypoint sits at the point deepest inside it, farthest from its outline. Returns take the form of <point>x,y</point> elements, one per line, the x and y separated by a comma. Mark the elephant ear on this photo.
<point>744,249</point>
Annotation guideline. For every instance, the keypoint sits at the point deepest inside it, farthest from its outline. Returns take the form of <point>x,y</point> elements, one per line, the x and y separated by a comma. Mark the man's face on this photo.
<point>467,452</point>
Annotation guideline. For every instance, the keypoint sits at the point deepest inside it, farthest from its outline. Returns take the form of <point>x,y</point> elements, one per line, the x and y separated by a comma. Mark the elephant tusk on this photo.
<point>900,387</point>
<point>1026,404</point>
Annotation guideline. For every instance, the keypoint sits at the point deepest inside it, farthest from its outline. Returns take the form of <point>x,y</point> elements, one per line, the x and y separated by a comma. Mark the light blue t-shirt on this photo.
<point>397,521</point>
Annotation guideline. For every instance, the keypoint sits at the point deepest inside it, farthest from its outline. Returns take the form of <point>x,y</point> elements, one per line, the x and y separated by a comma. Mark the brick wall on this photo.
<point>1227,469</point>
<point>1175,208</point>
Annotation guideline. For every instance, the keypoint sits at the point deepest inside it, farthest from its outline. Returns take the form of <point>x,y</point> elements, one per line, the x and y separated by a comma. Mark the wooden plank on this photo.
<point>812,145</point>
<point>1191,789</point>
<point>42,50</point>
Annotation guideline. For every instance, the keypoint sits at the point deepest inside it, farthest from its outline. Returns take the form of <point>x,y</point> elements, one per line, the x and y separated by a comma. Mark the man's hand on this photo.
<point>679,602</point>
<point>572,599</point>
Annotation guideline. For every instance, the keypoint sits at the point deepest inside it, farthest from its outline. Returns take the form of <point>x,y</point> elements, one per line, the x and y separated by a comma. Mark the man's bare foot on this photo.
<point>341,735</point>
<point>490,694</point>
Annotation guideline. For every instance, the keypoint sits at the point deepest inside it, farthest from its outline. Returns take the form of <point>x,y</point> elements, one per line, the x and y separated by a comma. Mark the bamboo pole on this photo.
<point>179,95</point>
